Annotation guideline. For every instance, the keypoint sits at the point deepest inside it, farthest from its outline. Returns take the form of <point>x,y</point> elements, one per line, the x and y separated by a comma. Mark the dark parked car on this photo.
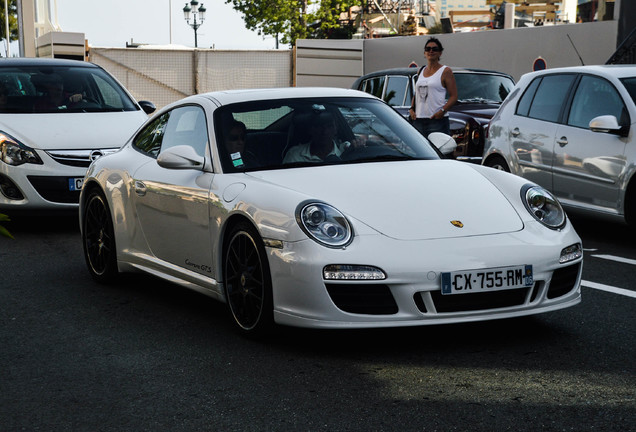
<point>480,93</point>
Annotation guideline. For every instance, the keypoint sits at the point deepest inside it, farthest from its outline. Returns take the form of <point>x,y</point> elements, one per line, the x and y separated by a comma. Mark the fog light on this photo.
<point>571,253</point>
<point>10,189</point>
<point>352,272</point>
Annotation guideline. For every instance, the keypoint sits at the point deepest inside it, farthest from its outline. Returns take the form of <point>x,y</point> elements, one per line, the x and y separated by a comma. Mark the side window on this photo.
<point>374,86</point>
<point>396,88</point>
<point>630,86</point>
<point>550,96</point>
<point>149,139</point>
<point>595,97</point>
<point>186,126</point>
<point>409,91</point>
<point>526,99</point>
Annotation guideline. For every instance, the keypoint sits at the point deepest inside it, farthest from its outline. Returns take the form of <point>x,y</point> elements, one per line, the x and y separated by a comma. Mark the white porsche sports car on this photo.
<point>324,208</point>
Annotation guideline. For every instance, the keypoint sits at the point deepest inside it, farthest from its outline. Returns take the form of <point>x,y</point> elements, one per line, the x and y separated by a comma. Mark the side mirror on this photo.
<point>180,157</point>
<point>606,124</point>
<point>147,106</point>
<point>444,143</point>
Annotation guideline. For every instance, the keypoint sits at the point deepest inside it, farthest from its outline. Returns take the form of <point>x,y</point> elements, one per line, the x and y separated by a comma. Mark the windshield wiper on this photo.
<point>382,158</point>
<point>478,100</point>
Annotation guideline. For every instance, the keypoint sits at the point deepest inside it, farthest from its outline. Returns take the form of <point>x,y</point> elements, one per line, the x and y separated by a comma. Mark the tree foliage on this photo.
<point>3,230</point>
<point>289,20</point>
<point>13,20</point>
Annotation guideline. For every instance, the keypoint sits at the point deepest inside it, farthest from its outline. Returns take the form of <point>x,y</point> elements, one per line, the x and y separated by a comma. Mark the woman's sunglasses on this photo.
<point>432,48</point>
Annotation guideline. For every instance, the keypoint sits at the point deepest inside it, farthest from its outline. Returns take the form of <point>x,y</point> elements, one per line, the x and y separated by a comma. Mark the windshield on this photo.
<point>60,89</point>
<point>482,88</point>
<point>309,132</point>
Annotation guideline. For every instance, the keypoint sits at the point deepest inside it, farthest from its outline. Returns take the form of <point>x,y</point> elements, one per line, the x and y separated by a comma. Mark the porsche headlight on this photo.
<point>543,206</point>
<point>324,224</point>
<point>12,152</point>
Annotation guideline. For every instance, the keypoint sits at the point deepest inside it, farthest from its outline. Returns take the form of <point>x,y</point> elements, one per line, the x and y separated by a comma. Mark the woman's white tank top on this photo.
<point>430,94</point>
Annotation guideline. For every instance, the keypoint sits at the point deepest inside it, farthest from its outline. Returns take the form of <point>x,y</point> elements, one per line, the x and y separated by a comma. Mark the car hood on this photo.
<point>407,200</point>
<point>72,131</point>
<point>481,110</point>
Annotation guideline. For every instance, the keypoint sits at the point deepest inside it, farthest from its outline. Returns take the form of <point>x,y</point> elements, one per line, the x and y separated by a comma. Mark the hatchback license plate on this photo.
<point>75,184</point>
<point>492,279</point>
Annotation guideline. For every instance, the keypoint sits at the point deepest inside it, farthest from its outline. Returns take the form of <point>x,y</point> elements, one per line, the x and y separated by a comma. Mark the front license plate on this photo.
<point>492,279</point>
<point>75,184</point>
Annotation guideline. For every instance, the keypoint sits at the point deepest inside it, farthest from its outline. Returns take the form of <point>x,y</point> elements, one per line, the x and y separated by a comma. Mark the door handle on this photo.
<point>140,188</point>
<point>515,132</point>
<point>563,141</point>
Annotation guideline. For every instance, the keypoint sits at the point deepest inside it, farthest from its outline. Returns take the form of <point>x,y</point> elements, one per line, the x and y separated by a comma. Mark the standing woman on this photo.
<point>429,108</point>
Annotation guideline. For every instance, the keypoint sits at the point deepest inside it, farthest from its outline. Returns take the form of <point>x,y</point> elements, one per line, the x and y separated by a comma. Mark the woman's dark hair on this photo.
<point>435,41</point>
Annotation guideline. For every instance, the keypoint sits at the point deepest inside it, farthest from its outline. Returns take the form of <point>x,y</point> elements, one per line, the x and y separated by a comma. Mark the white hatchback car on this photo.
<point>571,130</point>
<point>56,116</point>
<point>324,208</point>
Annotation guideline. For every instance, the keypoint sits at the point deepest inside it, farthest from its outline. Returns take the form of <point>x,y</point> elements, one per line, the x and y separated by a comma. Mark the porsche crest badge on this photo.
<point>457,223</point>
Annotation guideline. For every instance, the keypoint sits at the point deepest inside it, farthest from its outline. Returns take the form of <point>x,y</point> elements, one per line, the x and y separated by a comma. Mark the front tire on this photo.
<point>98,238</point>
<point>630,207</point>
<point>248,286</point>
<point>498,163</point>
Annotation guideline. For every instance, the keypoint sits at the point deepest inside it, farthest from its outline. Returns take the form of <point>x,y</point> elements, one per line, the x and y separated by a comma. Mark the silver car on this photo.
<point>571,130</point>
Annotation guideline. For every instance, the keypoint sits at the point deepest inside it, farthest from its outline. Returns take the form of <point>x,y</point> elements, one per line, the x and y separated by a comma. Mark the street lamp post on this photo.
<point>197,12</point>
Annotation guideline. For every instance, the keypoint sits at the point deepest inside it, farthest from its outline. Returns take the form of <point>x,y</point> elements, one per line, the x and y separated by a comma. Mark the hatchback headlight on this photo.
<point>543,206</point>
<point>324,224</point>
<point>13,152</point>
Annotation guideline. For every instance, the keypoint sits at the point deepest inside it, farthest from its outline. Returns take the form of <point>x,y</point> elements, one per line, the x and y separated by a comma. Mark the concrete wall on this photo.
<point>328,63</point>
<point>512,51</point>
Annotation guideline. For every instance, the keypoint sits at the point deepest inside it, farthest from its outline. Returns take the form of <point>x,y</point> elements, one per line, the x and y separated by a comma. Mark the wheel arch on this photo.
<point>629,202</point>
<point>495,155</point>
<point>87,188</point>
<point>229,224</point>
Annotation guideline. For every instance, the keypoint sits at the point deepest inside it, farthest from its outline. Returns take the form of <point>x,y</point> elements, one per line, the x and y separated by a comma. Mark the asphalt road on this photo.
<point>147,355</point>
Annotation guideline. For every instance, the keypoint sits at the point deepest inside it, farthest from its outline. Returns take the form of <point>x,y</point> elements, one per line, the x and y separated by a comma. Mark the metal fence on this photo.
<point>163,76</point>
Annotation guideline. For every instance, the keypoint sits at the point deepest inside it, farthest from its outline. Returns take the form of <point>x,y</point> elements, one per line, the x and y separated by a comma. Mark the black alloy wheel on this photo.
<point>98,238</point>
<point>248,286</point>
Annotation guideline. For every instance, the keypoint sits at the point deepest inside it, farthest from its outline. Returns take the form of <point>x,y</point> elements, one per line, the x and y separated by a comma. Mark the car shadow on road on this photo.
<point>41,222</point>
<point>594,229</point>
<point>474,336</point>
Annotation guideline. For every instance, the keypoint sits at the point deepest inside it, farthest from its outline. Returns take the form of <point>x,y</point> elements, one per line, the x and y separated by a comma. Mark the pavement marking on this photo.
<point>617,259</point>
<point>608,288</point>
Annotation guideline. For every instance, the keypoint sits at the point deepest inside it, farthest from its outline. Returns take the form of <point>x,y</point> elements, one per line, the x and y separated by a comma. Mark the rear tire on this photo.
<point>248,286</point>
<point>498,163</point>
<point>98,238</point>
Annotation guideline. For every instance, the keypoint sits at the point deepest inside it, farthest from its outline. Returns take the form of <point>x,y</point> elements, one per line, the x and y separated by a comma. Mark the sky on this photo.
<point>112,23</point>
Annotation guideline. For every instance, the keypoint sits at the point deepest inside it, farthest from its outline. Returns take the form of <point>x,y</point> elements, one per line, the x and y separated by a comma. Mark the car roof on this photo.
<point>618,71</point>
<point>233,96</point>
<point>40,61</point>
<point>413,71</point>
